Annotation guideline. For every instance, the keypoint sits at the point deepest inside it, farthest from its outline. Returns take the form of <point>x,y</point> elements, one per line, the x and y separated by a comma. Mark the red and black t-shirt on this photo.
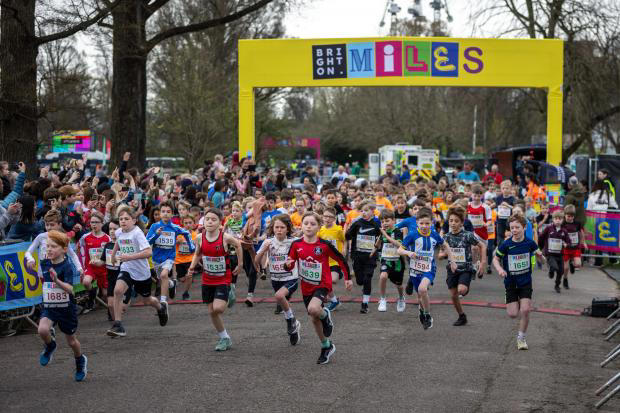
<point>313,264</point>
<point>572,229</point>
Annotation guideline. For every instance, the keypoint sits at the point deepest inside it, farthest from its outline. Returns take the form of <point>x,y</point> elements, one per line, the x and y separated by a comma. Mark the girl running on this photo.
<point>312,257</point>
<point>284,281</point>
<point>212,250</point>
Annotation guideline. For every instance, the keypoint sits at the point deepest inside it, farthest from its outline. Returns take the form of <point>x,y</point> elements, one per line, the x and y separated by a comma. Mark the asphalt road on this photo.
<point>384,361</point>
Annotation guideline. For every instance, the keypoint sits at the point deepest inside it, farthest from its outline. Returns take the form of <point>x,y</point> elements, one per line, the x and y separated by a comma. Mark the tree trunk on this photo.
<point>18,83</point>
<point>128,112</point>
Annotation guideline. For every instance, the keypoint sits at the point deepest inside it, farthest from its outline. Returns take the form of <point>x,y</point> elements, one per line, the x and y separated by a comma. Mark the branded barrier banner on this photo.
<point>602,231</point>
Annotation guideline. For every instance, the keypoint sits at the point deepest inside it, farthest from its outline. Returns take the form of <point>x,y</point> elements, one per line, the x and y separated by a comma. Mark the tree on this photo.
<point>132,44</point>
<point>19,47</point>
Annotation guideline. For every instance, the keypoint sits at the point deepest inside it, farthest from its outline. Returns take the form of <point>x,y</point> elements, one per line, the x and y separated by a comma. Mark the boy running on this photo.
<point>572,252</point>
<point>59,277</point>
<point>212,250</point>
<point>513,261</point>
<point>460,243</point>
<point>135,272</point>
<point>392,264</point>
<point>311,254</point>
<point>184,255</point>
<point>334,234</point>
<point>420,246</point>
<point>90,248</point>
<point>163,237</point>
<point>364,235</point>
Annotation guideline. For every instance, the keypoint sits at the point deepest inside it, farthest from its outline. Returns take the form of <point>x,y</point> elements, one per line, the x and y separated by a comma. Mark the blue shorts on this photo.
<point>290,285</point>
<point>65,317</point>
<point>417,278</point>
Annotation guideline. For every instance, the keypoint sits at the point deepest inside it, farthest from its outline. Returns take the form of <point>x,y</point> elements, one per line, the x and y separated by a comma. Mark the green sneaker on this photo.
<point>223,344</point>
<point>232,296</point>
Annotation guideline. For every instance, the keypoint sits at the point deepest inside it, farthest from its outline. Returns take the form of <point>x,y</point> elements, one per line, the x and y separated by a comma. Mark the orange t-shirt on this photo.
<point>183,255</point>
<point>383,203</point>
<point>296,219</point>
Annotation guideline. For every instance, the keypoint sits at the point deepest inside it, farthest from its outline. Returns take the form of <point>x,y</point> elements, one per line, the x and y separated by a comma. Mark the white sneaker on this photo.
<point>400,305</point>
<point>521,344</point>
<point>382,305</point>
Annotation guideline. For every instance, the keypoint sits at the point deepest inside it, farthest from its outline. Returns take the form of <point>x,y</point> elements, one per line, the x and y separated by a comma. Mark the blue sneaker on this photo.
<point>333,305</point>
<point>48,353</point>
<point>81,368</point>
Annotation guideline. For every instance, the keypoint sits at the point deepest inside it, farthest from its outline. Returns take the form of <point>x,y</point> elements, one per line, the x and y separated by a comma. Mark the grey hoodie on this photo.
<point>577,196</point>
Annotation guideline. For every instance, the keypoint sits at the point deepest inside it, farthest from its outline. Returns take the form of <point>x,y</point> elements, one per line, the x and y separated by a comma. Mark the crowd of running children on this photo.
<point>147,240</point>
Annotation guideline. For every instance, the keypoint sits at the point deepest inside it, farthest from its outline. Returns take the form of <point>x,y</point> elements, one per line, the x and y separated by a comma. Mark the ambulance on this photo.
<point>421,162</point>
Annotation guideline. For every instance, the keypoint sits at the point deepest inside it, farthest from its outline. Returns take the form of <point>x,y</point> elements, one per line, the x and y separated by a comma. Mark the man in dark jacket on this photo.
<point>576,196</point>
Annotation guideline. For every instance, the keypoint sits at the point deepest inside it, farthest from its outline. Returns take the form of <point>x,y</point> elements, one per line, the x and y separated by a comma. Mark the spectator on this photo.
<point>8,217</point>
<point>18,190</point>
<point>405,176</point>
<point>27,228</point>
<point>467,174</point>
<point>601,198</point>
<point>5,172</point>
<point>218,194</point>
<point>340,174</point>
<point>493,176</point>
<point>534,191</point>
<point>389,175</point>
<point>440,173</point>
<point>576,196</point>
<point>603,175</point>
<point>356,168</point>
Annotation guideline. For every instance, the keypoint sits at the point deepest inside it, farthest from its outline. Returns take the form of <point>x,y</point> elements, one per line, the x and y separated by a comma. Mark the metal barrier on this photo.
<point>611,356</point>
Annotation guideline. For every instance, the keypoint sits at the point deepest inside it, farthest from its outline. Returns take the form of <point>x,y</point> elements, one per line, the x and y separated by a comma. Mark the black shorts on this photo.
<point>363,269</point>
<point>141,288</point>
<point>213,292</point>
<point>515,293</point>
<point>65,317</point>
<point>320,293</point>
<point>396,277</point>
<point>338,270</point>
<point>182,269</point>
<point>290,285</point>
<point>112,277</point>
<point>460,277</point>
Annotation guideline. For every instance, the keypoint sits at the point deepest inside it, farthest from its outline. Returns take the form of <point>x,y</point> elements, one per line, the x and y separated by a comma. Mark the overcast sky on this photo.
<point>360,18</point>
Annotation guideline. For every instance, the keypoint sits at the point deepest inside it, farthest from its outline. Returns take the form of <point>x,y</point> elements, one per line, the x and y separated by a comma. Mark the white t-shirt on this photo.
<point>341,177</point>
<point>278,254</point>
<point>133,242</point>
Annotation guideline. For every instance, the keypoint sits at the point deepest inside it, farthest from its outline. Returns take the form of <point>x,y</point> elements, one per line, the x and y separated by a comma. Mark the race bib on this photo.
<point>166,239</point>
<point>422,263</point>
<point>126,246</point>
<point>184,248</point>
<point>214,266</point>
<point>503,211</point>
<point>108,258</point>
<point>276,263</point>
<point>389,252</point>
<point>555,245</point>
<point>519,263</point>
<point>54,295</point>
<point>476,220</point>
<point>365,243</point>
<point>235,233</point>
<point>490,227</point>
<point>459,255</point>
<point>574,238</point>
<point>310,271</point>
<point>95,253</point>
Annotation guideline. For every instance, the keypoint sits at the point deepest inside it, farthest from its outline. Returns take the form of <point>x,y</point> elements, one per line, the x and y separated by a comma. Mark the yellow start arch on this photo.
<point>402,61</point>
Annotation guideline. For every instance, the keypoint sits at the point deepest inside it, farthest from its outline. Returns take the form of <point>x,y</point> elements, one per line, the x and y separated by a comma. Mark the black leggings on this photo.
<point>250,271</point>
<point>556,265</point>
<point>364,270</point>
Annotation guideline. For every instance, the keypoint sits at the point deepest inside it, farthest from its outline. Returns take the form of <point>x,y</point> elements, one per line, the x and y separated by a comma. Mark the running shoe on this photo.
<point>428,321</point>
<point>328,324</point>
<point>326,353</point>
<point>296,336</point>
<point>409,288</point>
<point>249,302</point>
<point>550,274</point>
<point>557,288</point>
<point>232,295</point>
<point>163,314</point>
<point>263,275</point>
<point>333,305</point>
<point>401,304</point>
<point>521,344</point>
<point>81,368</point>
<point>223,344</point>
<point>291,325</point>
<point>382,305</point>
<point>421,316</point>
<point>185,295</point>
<point>364,309</point>
<point>48,353</point>
<point>461,321</point>
<point>278,309</point>
<point>571,267</point>
<point>565,284</point>
<point>117,330</point>
<point>489,270</point>
<point>88,307</point>
<point>172,291</point>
